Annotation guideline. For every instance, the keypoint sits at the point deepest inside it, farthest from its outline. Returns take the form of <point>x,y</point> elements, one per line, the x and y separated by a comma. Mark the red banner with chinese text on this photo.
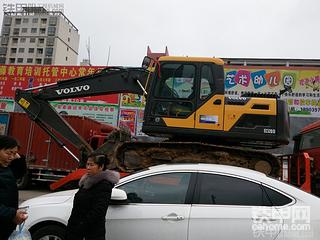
<point>26,76</point>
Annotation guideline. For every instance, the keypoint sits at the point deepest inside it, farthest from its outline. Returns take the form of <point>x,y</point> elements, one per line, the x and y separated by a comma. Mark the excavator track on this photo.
<point>133,156</point>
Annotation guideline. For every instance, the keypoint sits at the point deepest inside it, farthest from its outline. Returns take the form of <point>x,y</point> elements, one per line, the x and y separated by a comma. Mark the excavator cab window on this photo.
<point>175,90</point>
<point>177,81</point>
<point>207,82</point>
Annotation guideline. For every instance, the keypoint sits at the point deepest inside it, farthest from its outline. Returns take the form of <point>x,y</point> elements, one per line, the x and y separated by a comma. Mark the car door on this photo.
<point>227,207</point>
<point>157,209</point>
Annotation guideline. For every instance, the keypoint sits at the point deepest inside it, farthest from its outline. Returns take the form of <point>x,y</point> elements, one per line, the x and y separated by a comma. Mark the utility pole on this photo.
<point>88,50</point>
<point>109,49</point>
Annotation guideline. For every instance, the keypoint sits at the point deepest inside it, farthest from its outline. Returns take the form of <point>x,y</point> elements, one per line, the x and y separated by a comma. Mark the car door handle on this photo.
<point>172,217</point>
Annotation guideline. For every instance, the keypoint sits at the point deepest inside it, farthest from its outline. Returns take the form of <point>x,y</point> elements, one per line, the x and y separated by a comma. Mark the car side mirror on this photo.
<point>118,196</point>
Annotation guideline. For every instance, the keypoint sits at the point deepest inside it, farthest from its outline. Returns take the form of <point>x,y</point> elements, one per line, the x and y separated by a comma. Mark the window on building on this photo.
<point>24,30</point>
<point>4,40</point>
<point>5,31</point>
<point>13,50</point>
<point>29,60</point>
<point>14,40</point>
<point>67,49</point>
<point>31,50</point>
<point>43,21</point>
<point>12,60</point>
<point>32,40</point>
<point>17,21</point>
<point>21,50</point>
<point>50,41</point>
<point>38,60</point>
<point>7,20</point>
<point>41,40</point>
<point>16,31</point>
<point>39,50</point>
<point>20,60</point>
<point>25,20</point>
<point>35,20</point>
<point>23,40</point>
<point>69,30</point>
<point>3,50</point>
<point>47,61</point>
<point>66,58</point>
<point>53,21</point>
<point>68,39</point>
<point>2,60</point>
<point>51,31</point>
<point>33,30</point>
<point>42,31</point>
<point>49,52</point>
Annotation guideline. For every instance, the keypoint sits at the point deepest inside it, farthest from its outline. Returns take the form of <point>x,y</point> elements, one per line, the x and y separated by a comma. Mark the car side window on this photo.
<point>276,198</point>
<point>226,190</point>
<point>168,188</point>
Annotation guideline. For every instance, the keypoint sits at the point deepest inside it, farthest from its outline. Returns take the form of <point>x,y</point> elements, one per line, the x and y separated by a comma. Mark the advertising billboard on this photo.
<point>304,97</point>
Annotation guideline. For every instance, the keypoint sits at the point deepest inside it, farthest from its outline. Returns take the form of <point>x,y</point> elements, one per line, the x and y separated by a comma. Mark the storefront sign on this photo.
<point>304,97</point>
<point>127,118</point>
<point>106,113</point>
<point>129,100</point>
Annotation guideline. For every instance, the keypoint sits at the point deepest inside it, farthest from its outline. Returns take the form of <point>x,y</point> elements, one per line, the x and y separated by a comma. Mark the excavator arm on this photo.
<point>36,101</point>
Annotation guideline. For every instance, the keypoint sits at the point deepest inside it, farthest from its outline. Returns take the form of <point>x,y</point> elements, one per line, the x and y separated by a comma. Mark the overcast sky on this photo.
<point>221,28</point>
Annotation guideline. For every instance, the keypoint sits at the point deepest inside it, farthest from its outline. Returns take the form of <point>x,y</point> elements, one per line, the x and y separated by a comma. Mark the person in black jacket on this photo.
<point>91,202</point>
<point>10,215</point>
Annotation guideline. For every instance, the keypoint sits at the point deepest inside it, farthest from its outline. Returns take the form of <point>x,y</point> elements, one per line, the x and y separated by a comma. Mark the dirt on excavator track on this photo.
<point>133,156</point>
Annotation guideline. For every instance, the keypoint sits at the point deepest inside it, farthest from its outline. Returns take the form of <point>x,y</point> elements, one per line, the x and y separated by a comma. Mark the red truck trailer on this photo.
<point>46,160</point>
<point>302,168</point>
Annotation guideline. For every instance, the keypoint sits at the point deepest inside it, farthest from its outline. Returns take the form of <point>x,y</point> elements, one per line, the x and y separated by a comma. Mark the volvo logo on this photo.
<point>72,89</point>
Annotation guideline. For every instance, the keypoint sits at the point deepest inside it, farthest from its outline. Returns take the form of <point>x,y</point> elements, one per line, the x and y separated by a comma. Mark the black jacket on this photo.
<point>8,202</point>
<point>90,206</point>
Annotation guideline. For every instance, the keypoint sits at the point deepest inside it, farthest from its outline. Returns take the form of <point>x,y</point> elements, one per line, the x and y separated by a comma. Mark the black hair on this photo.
<point>100,159</point>
<point>7,142</point>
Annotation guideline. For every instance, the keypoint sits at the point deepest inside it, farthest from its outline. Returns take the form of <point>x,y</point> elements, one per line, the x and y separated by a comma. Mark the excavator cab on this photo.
<point>186,101</point>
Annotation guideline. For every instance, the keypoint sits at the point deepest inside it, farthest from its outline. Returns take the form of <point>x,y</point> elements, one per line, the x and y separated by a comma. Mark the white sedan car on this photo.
<point>191,201</point>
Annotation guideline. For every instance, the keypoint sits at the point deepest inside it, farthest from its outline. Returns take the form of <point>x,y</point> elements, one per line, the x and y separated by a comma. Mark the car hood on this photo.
<point>51,198</point>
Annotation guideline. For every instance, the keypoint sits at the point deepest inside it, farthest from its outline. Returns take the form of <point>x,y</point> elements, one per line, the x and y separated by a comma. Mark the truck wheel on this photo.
<point>50,232</point>
<point>24,181</point>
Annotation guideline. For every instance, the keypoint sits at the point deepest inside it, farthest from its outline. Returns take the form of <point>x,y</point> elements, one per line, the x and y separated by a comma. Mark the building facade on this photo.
<point>35,36</point>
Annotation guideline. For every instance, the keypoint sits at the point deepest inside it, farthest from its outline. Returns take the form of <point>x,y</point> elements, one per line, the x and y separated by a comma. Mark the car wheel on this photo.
<point>51,232</point>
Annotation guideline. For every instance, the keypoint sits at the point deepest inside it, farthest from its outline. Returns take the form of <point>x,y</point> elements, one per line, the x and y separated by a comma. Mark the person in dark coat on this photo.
<point>10,215</point>
<point>91,202</point>
<point>19,167</point>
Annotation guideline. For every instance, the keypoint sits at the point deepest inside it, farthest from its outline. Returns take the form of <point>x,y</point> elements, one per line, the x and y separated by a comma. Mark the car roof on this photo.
<point>210,167</point>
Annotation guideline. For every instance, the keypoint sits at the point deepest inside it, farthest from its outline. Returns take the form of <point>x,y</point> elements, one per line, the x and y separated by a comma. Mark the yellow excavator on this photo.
<point>185,107</point>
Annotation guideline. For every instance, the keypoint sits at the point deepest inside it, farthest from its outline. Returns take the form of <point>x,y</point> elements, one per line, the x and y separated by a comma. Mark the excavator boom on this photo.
<point>35,101</point>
